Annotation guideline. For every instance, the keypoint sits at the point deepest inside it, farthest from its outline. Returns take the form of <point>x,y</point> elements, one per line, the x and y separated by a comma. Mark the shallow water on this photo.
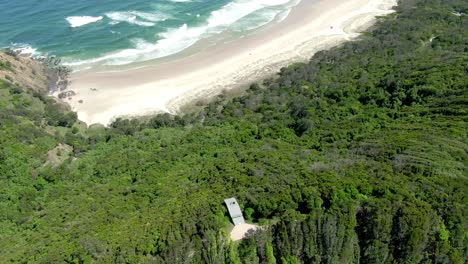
<point>88,33</point>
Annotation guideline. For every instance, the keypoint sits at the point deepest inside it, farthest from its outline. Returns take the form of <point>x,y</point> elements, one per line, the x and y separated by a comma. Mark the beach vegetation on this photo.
<point>6,66</point>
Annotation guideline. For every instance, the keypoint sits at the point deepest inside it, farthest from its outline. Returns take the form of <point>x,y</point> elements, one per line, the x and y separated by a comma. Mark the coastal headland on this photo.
<point>168,85</point>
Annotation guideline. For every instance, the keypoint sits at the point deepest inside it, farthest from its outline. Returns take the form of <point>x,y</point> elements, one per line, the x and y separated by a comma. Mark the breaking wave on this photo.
<point>172,41</point>
<point>136,17</point>
<point>78,21</point>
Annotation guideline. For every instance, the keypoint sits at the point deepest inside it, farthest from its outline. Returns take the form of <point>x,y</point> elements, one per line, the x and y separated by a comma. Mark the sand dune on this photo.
<point>167,86</point>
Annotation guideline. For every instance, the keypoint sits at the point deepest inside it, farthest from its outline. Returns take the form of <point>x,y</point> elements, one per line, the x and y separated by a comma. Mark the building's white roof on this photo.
<point>234,210</point>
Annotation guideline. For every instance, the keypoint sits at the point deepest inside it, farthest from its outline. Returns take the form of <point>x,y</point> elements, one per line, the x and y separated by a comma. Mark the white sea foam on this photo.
<point>255,20</point>
<point>177,39</point>
<point>172,41</point>
<point>27,50</point>
<point>78,21</point>
<point>136,17</point>
<point>283,15</point>
<point>24,49</point>
<point>236,10</point>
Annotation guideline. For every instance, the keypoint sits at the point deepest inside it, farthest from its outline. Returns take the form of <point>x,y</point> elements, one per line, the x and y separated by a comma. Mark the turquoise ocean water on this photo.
<point>86,33</point>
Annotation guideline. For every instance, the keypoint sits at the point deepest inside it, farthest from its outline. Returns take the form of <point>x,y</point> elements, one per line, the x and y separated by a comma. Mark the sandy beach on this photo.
<point>166,86</point>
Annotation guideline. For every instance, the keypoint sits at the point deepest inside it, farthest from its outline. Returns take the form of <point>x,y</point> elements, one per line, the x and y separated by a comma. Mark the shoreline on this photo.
<point>169,85</point>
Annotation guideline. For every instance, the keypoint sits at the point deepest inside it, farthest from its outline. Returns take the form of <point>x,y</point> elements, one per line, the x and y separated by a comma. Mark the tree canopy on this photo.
<point>359,155</point>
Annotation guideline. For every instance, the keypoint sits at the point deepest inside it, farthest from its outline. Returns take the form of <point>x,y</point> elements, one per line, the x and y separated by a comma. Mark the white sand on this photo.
<point>167,86</point>
<point>240,231</point>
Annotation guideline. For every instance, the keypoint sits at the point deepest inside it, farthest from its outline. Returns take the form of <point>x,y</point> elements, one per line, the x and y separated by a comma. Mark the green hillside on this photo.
<point>358,156</point>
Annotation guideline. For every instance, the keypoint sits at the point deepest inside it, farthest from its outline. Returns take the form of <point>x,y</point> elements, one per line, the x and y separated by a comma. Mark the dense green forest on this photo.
<point>358,156</point>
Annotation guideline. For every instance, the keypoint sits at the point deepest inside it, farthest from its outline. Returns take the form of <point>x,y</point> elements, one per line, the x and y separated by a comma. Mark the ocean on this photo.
<point>88,33</point>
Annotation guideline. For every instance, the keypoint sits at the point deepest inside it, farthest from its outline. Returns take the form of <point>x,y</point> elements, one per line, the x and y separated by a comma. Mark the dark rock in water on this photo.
<point>66,94</point>
<point>11,52</point>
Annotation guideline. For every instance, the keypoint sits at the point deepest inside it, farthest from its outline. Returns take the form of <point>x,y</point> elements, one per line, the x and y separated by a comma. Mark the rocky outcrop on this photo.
<point>33,74</point>
<point>24,71</point>
<point>66,94</point>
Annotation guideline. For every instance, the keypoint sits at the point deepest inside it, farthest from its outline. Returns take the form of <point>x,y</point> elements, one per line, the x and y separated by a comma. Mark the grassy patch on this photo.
<point>6,66</point>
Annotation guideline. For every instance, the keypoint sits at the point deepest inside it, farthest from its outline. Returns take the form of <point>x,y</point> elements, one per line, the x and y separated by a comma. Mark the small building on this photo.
<point>234,211</point>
